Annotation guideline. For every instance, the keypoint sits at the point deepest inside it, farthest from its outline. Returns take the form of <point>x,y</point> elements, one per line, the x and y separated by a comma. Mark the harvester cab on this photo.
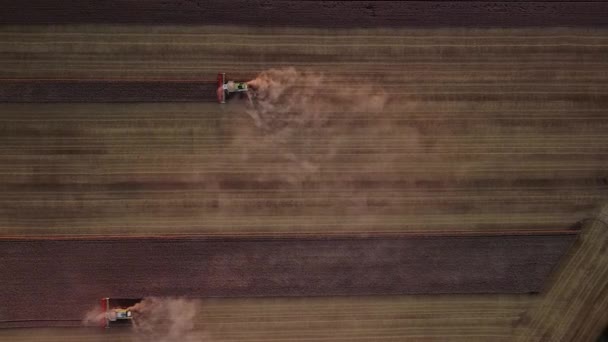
<point>117,312</point>
<point>225,88</point>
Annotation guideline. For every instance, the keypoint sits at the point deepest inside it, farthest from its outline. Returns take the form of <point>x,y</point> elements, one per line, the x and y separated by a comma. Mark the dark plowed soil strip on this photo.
<point>45,279</point>
<point>108,91</point>
<point>331,14</point>
<point>45,91</point>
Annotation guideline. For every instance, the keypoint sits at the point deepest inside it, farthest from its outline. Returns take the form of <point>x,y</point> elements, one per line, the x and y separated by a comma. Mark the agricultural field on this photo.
<point>461,137</point>
<point>393,131</point>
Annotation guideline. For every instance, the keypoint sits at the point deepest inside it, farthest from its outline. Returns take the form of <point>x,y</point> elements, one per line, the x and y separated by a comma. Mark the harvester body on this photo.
<point>225,87</point>
<point>116,311</point>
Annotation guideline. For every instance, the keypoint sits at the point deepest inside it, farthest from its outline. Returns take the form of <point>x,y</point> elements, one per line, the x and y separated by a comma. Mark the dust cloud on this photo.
<point>166,320</point>
<point>158,319</point>
<point>297,121</point>
<point>288,97</point>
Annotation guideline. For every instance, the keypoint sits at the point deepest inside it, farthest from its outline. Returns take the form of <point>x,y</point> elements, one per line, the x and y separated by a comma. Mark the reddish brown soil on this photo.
<point>47,91</point>
<point>332,14</point>
<point>61,279</point>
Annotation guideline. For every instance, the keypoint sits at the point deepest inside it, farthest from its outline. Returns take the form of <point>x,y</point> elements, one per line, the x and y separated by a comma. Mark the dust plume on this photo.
<point>166,320</point>
<point>296,121</point>
<point>158,319</point>
<point>288,97</point>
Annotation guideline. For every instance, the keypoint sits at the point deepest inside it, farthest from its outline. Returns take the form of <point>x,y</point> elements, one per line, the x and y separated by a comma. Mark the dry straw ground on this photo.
<point>482,130</point>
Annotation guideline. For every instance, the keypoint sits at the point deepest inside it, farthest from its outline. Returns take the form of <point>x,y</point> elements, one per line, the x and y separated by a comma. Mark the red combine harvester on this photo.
<point>226,88</point>
<point>116,311</point>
